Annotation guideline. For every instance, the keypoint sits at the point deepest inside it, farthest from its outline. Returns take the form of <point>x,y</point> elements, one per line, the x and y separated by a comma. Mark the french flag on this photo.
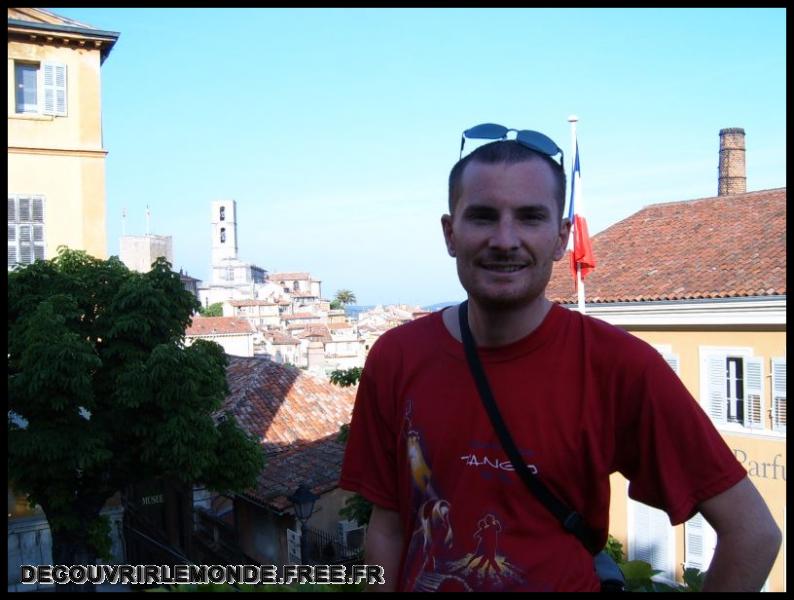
<point>582,257</point>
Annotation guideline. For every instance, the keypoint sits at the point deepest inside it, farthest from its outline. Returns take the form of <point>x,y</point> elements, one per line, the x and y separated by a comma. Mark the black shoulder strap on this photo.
<point>571,520</point>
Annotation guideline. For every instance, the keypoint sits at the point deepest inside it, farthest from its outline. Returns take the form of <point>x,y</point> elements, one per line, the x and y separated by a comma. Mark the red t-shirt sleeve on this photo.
<point>370,467</point>
<point>674,457</point>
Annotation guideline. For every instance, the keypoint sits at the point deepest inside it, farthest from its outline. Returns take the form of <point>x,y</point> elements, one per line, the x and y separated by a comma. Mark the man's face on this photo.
<point>505,233</point>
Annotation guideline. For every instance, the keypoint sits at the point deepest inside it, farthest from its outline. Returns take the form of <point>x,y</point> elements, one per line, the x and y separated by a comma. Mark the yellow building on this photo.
<point>56,192</point>
<point>704,282</point>
<point>56,160</point>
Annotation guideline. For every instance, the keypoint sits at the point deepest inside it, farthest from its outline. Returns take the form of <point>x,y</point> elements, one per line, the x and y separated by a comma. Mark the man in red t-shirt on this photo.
<point>582,399</point>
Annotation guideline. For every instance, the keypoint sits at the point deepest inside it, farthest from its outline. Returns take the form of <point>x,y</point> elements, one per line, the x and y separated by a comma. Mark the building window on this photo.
<point>652,539</point>
<point>223,235</point>
<point>25,230</point>
<point>700,539</point>
<point>223,213</point>
<point>40,88</point>
<point>779,394</point>
<point>27,78</point>
<point>732,389</point>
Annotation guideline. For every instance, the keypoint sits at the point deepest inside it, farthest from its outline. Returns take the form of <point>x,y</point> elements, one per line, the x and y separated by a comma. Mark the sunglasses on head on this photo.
<point>533,140</point>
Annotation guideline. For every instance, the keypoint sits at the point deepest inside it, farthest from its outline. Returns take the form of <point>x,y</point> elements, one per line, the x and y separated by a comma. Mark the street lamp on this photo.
<point>303,501</point>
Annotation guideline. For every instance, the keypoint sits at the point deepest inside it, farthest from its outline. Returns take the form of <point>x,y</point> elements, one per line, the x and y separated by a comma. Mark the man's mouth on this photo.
<point>503,267</point>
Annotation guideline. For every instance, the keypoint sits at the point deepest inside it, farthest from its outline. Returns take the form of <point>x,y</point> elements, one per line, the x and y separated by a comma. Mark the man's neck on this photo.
<point>498,327</point>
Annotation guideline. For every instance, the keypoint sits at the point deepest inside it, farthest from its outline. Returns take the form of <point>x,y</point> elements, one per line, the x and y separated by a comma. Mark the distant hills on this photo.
<point>353,310</point>
<point>440,305</point>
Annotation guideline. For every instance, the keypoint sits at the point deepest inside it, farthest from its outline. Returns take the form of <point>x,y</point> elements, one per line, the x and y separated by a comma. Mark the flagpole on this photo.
<point>579,283</point>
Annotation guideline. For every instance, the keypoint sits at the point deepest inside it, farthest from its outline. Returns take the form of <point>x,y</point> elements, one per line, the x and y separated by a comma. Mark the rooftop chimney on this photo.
<point>732,175</point>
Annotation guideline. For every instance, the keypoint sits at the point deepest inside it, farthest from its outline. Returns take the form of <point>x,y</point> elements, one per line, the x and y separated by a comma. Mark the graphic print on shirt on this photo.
<point>432,562</point>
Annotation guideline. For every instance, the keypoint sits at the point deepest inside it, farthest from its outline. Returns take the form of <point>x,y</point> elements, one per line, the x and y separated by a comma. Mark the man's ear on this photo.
<point>562,239</point>
<point>449,237</point>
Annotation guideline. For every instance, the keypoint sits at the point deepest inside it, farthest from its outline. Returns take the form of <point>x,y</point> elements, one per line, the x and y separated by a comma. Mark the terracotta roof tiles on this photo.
<point>284,405</point>
<point>721,247</point>
<point>316,464</point>
<point>251,303</point>
<point>218,326</point>
<point>296,416</point>
<point>278,338</point>
<point>288,276</point>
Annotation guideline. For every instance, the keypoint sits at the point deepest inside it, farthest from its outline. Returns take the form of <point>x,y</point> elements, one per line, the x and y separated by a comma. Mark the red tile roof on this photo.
<point>279,338</point>
<point>295,316</point>
<point>316,332</point>
<point>297,417</point>
<point>720,247</point>
<point>282,404</point>
<point>251,303</point>
<point>219,326</point>
<point>288,276</point>
<point>302,294</point>
<point>317,464</point>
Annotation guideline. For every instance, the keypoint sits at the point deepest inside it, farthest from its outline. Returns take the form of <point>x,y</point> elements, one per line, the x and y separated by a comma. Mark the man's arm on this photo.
<point>383,546</point>
<point>748,539</point>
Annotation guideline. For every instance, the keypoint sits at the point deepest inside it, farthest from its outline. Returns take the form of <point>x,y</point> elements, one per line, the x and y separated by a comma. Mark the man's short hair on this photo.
<point>509,152</point>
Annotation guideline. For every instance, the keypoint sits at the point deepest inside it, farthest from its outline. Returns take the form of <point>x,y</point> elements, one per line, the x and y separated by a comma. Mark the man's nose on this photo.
<point>504,235</point>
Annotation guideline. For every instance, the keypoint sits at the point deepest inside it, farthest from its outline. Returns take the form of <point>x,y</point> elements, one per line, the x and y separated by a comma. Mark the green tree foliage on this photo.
<point>356,508</point>
<point>213,310</point>
<point>345,297</point>
<point>639,573</point>
<point>346,377</point>
<point>103,394</point>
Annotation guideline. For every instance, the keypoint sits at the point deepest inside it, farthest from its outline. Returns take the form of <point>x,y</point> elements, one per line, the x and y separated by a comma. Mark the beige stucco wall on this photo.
<point>758,452</point>
<point>62,158</point>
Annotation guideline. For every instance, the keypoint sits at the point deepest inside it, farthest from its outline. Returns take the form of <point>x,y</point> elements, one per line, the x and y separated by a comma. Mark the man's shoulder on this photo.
<point>611,337</point>
<point>412,343</point>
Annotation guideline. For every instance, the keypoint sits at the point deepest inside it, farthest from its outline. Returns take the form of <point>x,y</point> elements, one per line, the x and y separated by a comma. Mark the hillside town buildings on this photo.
<point>287,318</point>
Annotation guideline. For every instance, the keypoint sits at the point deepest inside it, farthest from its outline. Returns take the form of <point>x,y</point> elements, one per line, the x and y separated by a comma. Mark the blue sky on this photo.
<point>335,129</point>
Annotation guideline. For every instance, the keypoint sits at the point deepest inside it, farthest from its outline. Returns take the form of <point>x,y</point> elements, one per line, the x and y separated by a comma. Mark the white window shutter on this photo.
<point>24,210</point>
<point>60,90</point>
<point>753,393</point>
<point>54,88</point>
<point>700,541</point>
<point>12,210</point>
<point>716,386</point>
<point>651,538</point>
<point>673,361</point>
<point>779,394</point>
<point>37,210</point>
<point>25,245</point>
